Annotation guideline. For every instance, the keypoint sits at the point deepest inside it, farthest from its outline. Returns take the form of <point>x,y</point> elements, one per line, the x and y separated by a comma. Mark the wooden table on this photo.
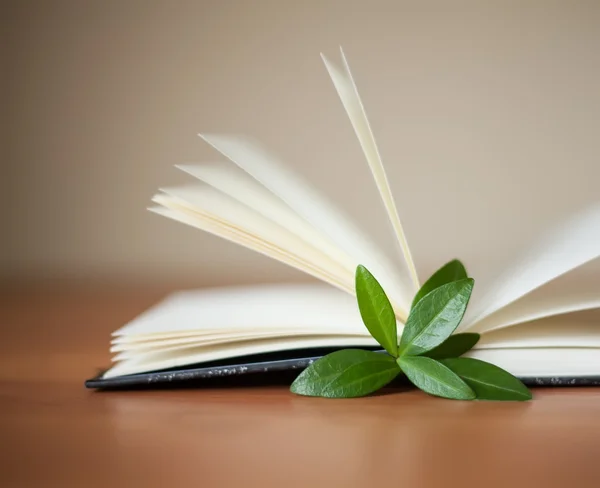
<point>55,433</point>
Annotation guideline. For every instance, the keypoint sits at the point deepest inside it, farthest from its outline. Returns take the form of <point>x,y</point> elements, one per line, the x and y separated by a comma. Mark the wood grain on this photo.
<point>55,433</point>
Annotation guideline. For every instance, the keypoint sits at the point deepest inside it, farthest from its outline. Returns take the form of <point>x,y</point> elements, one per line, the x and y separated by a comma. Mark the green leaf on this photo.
<point>456,345</point>
<point>434,378</point>
<point>489,382</point>
<point>376,310</point>
<point>346,374</point>
<point>452,271</point>
<point>435,317</point>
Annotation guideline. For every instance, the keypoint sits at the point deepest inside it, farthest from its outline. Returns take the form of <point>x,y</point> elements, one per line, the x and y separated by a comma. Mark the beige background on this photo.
<point>486,113</point>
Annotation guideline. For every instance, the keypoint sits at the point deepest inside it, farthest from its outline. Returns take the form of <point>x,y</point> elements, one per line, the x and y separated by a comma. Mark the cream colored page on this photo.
<point>551,332</point>
<point>348,93</point>
<point>242,339</point>
<point>543,362</point>
<point>213,353</point>
<point>561,333</point>
<point>554,332</point>
<point>313,208</point>
<point>225,209</point>
<point>176,211</point>
<point>568,246</point>
<point>575,291</point>
<point>127,340</point>
<point>237,184</point>
<point>143,340</point>
<point>539,308</point>
<point>281,307</point>
<point>241,334</point>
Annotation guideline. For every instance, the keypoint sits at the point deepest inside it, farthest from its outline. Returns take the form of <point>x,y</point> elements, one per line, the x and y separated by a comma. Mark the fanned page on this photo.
<point>348,93</point>
<point>266,207</point>
<point>212,204</point>
<point>315,209</point>
<point>567,247</point>
<point>237,184</point>
<point>182,214</point>
<point>576,291</point>
<point>559,331</point>
<point>216,212</point>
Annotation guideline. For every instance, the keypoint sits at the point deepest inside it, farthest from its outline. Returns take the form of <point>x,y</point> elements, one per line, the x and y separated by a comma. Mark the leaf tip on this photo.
<point>524,394</point>
<point>298,385</point>
<point>468,284</point>
<point>471,396</point>
<point>527,397</point>
<point>361,271</point>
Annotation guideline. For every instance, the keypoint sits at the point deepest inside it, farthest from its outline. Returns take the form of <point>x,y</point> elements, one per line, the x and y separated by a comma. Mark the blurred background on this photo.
<point>486,115</point>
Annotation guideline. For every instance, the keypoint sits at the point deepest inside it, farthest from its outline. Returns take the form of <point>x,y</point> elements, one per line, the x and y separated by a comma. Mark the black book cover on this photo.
<point>263,369</point>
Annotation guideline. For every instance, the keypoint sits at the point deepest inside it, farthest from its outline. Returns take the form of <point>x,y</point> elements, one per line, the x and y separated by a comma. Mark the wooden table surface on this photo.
<point>55,433</point>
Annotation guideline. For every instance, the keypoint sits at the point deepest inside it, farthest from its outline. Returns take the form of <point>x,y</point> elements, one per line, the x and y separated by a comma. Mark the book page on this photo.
<point>238,339</point>
<point>278,307</point>
<point>547,362</point>
<point>557,332</point>
<point>237,184</point>
<point>566,247</point>
<point>216,338</point>
<point>315,209</point>
<point>206,201</point>
<point>575,291</point>
<point>202,354</point>
<point>268,239</point>
<point>540,361</point>
<point>563,331</point>
<point>348,93</point>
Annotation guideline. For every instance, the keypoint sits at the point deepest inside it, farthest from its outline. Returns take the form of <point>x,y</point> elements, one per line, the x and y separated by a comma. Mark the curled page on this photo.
<point>177,210</point>
<point>567,247</point>
<point>237,184</point>
<point>213,204</point>
<point>314,208</point>
<point>348,93</point>
<point>559,297</point>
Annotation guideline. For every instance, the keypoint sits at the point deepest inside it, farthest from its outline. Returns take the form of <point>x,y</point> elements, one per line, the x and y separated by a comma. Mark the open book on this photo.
<point>526,316</point>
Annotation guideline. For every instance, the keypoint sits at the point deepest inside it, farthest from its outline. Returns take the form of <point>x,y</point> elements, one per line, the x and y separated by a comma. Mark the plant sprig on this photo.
<point>428,352</point>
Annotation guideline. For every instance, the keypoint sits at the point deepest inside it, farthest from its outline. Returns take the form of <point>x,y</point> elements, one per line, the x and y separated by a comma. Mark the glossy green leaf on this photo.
<point>376,310</point>
<point>434,378</point>
<point>435,317</point>
<point>488,381</point>
<point>346,374</point>
<point>451,271</point>
<point>456,345</point>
